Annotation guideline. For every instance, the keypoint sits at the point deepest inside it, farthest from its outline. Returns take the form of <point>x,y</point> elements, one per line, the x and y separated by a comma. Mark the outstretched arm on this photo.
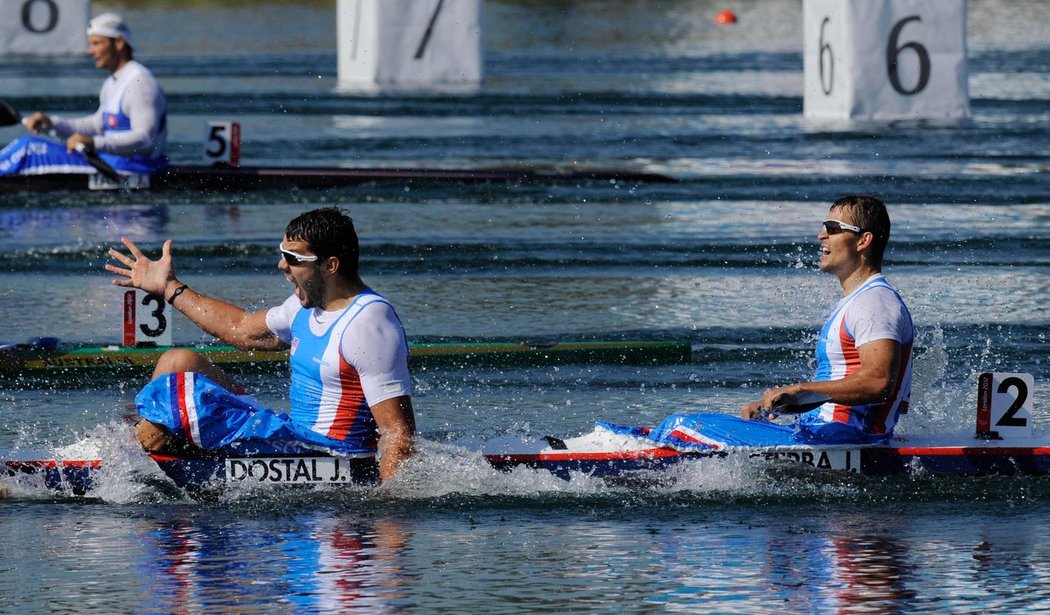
<point>229,323</point>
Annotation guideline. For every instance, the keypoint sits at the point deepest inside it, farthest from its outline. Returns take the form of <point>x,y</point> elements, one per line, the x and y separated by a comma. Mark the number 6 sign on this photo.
<point>408,42</point>
<point>885,59</point>
<point>44,27</point>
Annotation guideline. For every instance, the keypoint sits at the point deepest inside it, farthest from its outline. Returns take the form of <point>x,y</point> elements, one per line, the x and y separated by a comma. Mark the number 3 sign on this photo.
<point>412,43</point>
<point>146,319</point>
<point>885,59</point>
<point>44,27</point>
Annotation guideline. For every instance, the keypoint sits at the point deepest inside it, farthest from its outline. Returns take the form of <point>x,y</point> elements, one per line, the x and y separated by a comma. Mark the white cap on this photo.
<point>110,25</point>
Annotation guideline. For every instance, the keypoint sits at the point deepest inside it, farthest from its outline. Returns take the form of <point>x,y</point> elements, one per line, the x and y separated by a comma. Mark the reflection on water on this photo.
<point>44,227</point>
<point>320,562</point>
<point>476,539</point>
<point>842,566</point>
<point>816,561</point>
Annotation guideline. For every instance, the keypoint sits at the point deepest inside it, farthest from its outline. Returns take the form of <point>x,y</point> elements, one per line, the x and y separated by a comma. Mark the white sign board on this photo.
<point>1004,405</point>
<point>885,59</point>
<point>147,319</point>
<point>222,144</point>
<point>414,43</point>
<point>44,27</point>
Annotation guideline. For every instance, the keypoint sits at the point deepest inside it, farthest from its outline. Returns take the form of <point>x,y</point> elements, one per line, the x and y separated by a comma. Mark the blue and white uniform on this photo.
<point>130,130</point>
<point>343,362</point>
<point>874,311</point>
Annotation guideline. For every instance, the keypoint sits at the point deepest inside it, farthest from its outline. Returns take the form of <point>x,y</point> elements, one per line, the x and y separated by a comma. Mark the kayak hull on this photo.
<point>238,179</point>
<point>605,455</point>
<point>594,455</point>
<point>201,475</point>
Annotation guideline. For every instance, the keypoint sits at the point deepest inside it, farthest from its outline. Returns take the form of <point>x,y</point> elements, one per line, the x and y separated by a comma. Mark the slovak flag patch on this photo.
<point>112,121</point>
<point>295,344</point>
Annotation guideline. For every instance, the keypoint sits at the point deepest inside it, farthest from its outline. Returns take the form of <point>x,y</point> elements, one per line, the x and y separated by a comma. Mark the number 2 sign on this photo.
<point>1004,405</point>
<point>885,59</point>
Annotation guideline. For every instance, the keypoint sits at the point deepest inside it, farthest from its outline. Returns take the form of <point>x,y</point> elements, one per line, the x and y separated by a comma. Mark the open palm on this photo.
<point>139,271</point>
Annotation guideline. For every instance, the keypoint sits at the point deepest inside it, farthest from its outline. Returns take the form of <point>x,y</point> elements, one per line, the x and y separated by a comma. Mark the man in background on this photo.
<point>129,129</point>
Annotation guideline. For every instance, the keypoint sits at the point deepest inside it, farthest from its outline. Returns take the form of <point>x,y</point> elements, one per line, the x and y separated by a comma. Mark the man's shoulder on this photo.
<point>284,313</point>
<point>134,73</point>
<point>880,297</point>
<point>375,307</point>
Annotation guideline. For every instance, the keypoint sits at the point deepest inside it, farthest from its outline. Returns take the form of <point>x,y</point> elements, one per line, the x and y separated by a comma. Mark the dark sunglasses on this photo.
<point>834,227</point>
<point>294,258</point>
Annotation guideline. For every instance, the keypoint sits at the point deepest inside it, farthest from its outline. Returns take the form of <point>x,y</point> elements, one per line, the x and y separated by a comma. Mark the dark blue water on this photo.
<point>725,258</point>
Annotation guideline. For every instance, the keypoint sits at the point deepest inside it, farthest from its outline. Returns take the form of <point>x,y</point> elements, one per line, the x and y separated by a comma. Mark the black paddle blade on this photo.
<point>790,404</point>
<point>103,167</point>
<point>100,165</point>
<point>9,116</point>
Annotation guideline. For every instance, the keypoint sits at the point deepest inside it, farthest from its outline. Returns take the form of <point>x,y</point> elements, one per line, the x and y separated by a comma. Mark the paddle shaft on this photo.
<point>788,404</point>
<point>10,116</point>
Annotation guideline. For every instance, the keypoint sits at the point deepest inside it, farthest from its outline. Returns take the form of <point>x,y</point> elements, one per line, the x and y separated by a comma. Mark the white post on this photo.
<point>44,27</point>
<point>885,59</point>
<point>408,43</point>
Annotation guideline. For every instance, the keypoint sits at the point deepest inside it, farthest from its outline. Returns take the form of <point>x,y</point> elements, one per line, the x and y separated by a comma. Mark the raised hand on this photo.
<point>152,276</point>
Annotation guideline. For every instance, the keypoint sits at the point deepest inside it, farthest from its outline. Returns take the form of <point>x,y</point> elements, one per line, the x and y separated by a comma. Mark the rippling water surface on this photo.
<point>724,257</point>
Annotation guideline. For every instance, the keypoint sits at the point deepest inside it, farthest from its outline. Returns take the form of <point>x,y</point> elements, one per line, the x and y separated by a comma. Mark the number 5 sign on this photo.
<point>411,43</point>
<point>222,144</point>
<point>885,59</point>
<point>44,27</point>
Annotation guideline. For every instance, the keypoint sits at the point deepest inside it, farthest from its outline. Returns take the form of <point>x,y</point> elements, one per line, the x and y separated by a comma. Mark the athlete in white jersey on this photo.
<point>351,390</point>
<point>131,117</point>
<point>864,353</point>
<point>343,362</point>
<point>129,129</point>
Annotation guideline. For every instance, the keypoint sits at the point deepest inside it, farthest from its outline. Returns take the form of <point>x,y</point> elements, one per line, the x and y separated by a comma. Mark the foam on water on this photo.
<point>127,475</point>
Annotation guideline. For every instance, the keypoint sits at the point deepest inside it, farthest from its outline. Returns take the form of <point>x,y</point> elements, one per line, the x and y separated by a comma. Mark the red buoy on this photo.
<point>725,17</point>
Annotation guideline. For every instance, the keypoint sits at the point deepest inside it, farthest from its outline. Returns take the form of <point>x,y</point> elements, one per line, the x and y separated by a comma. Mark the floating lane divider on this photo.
<point>237,179</point>
<point>46,356</point>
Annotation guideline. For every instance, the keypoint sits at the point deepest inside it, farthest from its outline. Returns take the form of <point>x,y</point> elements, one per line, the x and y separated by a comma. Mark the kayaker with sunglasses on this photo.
<point>350,390</point>
<point>864,352</point>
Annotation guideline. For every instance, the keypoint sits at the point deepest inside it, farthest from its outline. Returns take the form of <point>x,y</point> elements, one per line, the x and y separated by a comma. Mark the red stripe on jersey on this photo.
<point>850,354</point>
<point>180,394</point>
<point>851,357</point>
<point>880,413</point>
<point>351,400</point>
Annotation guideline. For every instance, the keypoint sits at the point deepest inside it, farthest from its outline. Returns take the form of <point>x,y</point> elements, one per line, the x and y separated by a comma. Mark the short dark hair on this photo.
<point>869,213</point>
<point>329,231</point>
